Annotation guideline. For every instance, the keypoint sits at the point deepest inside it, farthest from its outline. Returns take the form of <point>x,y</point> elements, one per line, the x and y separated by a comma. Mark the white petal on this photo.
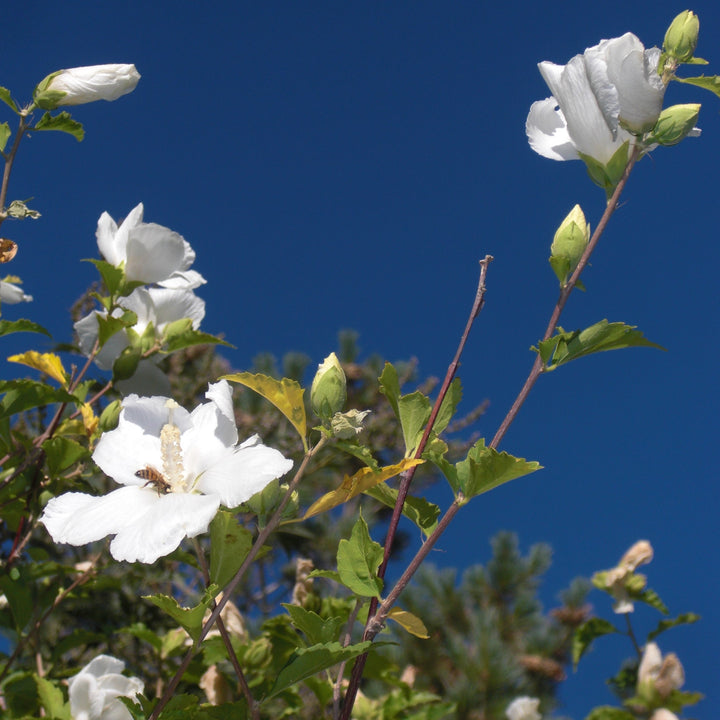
<point>184,280</point>
<point>12,294</point>
<point>585,122</point>
<point>148,379</point>
<point>161,530</point>
<point>547,132</point>
<point>95,82</point>
<point>86,702</point>
<point>170,305</point>
<point>154,253</point>
<point>77,518</point>
<point>140,302</point>
<point>101,665</point>
<point>243,473</point>
<point>112,240</point>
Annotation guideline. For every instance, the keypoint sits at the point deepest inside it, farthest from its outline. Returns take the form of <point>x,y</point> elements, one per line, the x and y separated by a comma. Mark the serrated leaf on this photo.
<point>142,632</point>
<point>52,699</point>
<point>47,363</point>
<point>7,99</point>
<point>329,574</point>
<point>485,468</point>
<point>418,510</point>
<point>663,625</point>
<point>409,622</point>
<point>707,82</point>
<point>63,122</point>
<point>286,395</point>
<point>361,452</point>
<point>651,598</point>
<point>586,634</point>
<point>175,341</point>
<point>191,619</point>
<point>306,662</point>
<point>109,325</point>
<point>61,453</point>
<point>230,543</point>
<point>5,133</point>
<point>414,410</point>
<point>600,337</point>
<point>316,629</point>
<point>126,363</point>
<point>390,386</point>
<point>448,406</point>
<point>358,560</point>
<point>360,482</point>
<point>112,276</point>
<point>608,712</point>
<point>13,326</point>
<point>435,452</point>
<point>20,395</point>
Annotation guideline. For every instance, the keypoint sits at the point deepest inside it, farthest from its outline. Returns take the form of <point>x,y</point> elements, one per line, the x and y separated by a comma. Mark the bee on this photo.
<point>154,477</point>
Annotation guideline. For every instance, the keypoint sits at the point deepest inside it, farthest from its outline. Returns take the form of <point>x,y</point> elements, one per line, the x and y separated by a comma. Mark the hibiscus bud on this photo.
<point>674,124</point>
<point>569,244</point>
<point>682,36</point>
<point>328,392</point>
<point>80,85</point>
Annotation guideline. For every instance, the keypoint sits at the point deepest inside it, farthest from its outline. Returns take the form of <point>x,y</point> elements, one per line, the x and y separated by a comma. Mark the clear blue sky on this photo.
<point>345,165</point>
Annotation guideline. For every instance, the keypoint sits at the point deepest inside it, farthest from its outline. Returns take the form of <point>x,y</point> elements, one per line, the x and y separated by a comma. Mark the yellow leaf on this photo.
<point>49,363</point>
<point>412,623</point>
<point>361,481</point>
<point>286,395</point>
<point>90,419</point>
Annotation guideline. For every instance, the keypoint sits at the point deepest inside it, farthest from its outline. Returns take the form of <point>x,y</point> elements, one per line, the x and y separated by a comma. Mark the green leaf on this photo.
<point>707,82</point>
<point>286,395</point>
<point>448,406</point>
<point>7,99</point>
<point>435,451</point>
<point>63,122</point>
<point>358,560</point>
<point>61,453</point>
<point>230,543</point>
<point>306,662</point>
<point>317,630</point>
<point>5,133</point>
<point>112,276</point>
<point>13,326</point>
<point>663,625</point>
<point>651,598</point>
<point>142,632</point>
<point>607,712</point>
<point>414,410</point>
<point>191,619</point>
<point>17,589</point>
<point>126,363</point>
<point>52,699</point>
<point>485,468</point>
<point>564,346</point>
<point>607,176</point>
<point>361,452</point>
<point>390,387</point>
<point>22,395</point>
<point>108,325</point>
<point>586,634</point>
<point>180,334</point>
<point>418,510</point>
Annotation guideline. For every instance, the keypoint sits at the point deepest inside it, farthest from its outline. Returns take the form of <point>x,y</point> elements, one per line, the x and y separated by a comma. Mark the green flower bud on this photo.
<point>682,36</point>
<point>569,244</point>
<point>328,392</point>
<point>674,124</point>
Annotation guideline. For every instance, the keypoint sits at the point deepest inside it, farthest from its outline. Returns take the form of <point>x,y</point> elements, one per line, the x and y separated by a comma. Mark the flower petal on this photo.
<point>162,528</point>
<point>112,240</point>
<point>244,472</point>
<point>77,518</point>
<point>12,294</point>
<point>547,132</point>
<point>170,305</point>
<point>184,280</point>
<point>154,253</point>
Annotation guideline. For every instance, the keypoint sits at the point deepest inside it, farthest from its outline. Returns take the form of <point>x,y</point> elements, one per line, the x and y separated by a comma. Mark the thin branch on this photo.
<point>341,670</point>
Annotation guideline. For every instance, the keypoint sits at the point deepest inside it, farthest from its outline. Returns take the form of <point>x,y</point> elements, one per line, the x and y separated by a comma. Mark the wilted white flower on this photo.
<point>86,84</point>
<point>95,690</point>
<point>600,100</point>
<point>663,674</point>
<point>523,708</point>
<point>148,252</point>
<point>12,294</point>
<point>615,581</point>
<point>176,467</point>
